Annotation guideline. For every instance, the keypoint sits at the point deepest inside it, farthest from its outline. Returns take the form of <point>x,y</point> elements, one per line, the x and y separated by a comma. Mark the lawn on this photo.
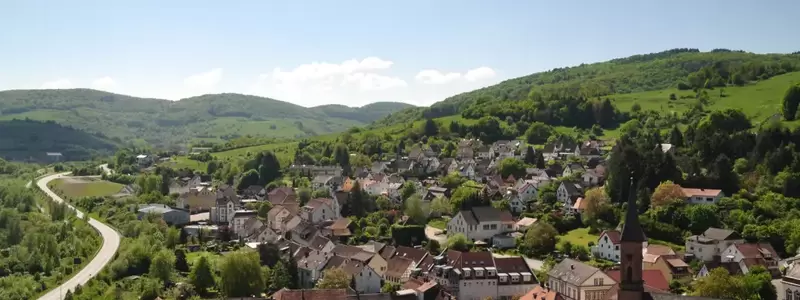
<point>76,188</point>
<point>192,257</point>
<point>580,236</point>
<point>439,223</point>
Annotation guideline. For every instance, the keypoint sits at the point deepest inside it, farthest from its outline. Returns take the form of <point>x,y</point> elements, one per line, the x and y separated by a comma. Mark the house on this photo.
<point>514,277</point>
<point>595,176</point>
<point>280,215</point>
<point>264,234</point>
<point>373,187</point>
<point>339,229</point>
<point>254,192</point>
<point>527,190</point>
<point>702,196</point>
<point>318,210</point>
<point>749,255</point>
<point>485,152</point>
<point>525,223</point>
<point>379,167</point>
<point>579,281</point>
<point>579,206</point>
<point>321,181</point>
<point>398,269</point>
<point>607,246</point>
<point>467,170</point>
<point>568,192</point>
<point>303,233</point>
<point>666,148</point>
<point>281,195</point>
<point>664,259</point>
<point>238,219</point>
<point>573,168</point>
<point>144,160</point>
<point>200,198</point>
<point>309,265</point>
<point>478,275</point>
<point>170,215</point>
<point>506,240</point>
<point>709,245</point>
<point>223,210</point>
<point>791,283</point>
<point>311,170</point>
<point>250,228</point>
<point>515,202</point>
<point>447,165</point>
<point>436,192</point>
<point>480,223</point>
<point>364,278</point>
<point>321,244</point>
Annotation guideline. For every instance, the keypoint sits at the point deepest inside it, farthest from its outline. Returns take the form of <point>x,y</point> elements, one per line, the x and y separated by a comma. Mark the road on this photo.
<point>106,169</point>
<point>110,246</point>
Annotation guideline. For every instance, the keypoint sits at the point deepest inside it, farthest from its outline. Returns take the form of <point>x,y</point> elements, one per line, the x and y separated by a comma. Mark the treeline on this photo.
<point>637,73</point>
<point>24,140</point>
<point>568,111</point>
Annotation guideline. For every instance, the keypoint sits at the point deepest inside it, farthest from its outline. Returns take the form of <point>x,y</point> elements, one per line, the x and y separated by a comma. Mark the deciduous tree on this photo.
<point>335,278</point>
<point>240,274</point>
<point>201,277</point>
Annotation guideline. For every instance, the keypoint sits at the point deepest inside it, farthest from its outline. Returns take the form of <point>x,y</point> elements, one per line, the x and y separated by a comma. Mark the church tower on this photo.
<point>631,286</point>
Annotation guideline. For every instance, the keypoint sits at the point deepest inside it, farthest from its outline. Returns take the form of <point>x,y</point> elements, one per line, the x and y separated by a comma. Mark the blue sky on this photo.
<point>355,52</point>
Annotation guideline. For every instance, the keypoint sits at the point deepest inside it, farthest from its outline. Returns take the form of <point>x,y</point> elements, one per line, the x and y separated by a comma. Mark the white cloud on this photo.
<point>436,77</point>
<point>104,83</point>
<point>204,82</point>
<point>479,74</point>
<point>323,82</point>
<point>62,83</point>
<point>431,76</point>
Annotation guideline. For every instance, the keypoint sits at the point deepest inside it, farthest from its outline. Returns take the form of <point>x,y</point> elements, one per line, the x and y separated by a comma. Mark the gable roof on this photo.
<point>490,214</point>
<point>757,250</point>
<point>719,234</point>
<point>572,271</point>
<point>388,252</point>
<point>396,266</point>
<point>411,253</point>
<point>689,192</point>
<point>511,265</point>
<point>573,189</point>
<point>652,278</point>
<point>318,242</point>
<point>475,259</point>
<point>319,202</point>
<point>541,293</point>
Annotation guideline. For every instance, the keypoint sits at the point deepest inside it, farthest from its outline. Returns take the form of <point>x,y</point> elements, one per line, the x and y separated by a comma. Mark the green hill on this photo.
<point>619,77</point>
<point>31,140</point>
<point>161,122</point>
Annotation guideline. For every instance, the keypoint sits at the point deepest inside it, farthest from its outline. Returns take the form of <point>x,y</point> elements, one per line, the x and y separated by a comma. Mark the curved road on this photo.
<point>110,246</point>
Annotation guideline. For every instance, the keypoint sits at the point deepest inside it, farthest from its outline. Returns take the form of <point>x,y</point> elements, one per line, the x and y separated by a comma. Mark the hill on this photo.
<point>161,122</point>
<point>31,140</point>
<point>669,69</point>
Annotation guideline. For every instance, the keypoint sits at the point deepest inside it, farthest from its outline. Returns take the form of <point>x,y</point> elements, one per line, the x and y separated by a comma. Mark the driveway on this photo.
<point>110,246</point>
<point>433,233</point>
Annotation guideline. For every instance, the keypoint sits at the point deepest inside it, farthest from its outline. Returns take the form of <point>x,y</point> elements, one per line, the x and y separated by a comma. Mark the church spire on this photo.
<point>632,229</point>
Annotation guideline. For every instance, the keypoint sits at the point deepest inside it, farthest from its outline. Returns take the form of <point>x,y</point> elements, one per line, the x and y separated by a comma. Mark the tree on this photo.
<point>540,239</point>
<point>458,242</point>
<point>433,247</point>
<point>538,133</point>
<point>389,288</point>
<point>241,275</point>
<point>268,254</point>
<point>335,278</point>
<point>279,277</point>
<point>163,266</point>
<point>540,162</point>
<point>676,137</point>
<point>511,166</point>
<point>597,203</point>
<point>452,180</point>
<point>383,203</point>
<point>201,277</point>
<point>172,237</point>
<point>263,210</point>
<point>180,260</point>
<point>790,101</point>
<point>415,210</point>
<point>304,195</point>
<point>530,156</point>
<point>720,284</point>
<point>269,168</point>
<point>667,192</point>
<point>701,217</point>
<point>431,129</point>
<point>247,179</point>
<point>727,180</point>
<point>407,190</point>
<point>441,206</point>
<point>357,204</point>
<point>342,157</point>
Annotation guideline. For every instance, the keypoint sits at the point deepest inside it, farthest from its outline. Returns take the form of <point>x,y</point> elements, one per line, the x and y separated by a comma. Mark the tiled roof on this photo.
<point>580,204</point>
<point>476,259</point>
<point>760,250</point>
<point>526,221</point>
<point>659,250</point>
<point>541,293</point>
<point>309,294</point>
<point>719,234</point>
<point>396,266</point>
<point>572,271</point>
<point>689,192</point>
<point>652,278</point>
<point>511,265</point>
<point>318,242</point>
<point>388,252</point>
<point>613,235</point>
<point>411,253</point>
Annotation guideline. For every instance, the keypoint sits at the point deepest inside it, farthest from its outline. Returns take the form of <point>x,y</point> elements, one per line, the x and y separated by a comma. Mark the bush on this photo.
<point>672,97</point>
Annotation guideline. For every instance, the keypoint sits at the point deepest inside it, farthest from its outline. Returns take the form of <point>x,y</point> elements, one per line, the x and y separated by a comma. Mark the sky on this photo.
<point>355,52</point>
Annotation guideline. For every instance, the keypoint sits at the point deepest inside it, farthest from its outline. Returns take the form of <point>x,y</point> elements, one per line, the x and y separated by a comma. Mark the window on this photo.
<point>788,294</point>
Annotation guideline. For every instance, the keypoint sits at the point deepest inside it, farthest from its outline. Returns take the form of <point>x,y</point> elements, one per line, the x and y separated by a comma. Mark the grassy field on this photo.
<point>580,236</point>
<point>439,223</point>
<point>75,188</point>
<point>192,257</point>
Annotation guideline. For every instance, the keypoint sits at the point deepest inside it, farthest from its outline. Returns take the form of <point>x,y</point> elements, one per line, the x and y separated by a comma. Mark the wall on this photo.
<point>477,289</point>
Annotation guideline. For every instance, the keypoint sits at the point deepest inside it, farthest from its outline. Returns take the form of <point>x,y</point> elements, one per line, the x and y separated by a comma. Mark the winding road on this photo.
<point>110,246</point>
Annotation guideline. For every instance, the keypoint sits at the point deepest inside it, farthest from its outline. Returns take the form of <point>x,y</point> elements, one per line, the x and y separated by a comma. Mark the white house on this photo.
<point>375,187</point>
<point>709,245</point>
<point>264,235</point>
<point>223,211</point>
<point>702,196</point>
<point>516,204</point>
<point>791,283</point>
<point>578,281</point>
<point>573,168</point>
<point>238,220</point>
<point>607,246</point>
<point>279,215</point>
<point>318,210</point>
<point>749,255</point>
<point>309,264</point>
<point>527,190</point>
<point>481,223</point>
<point>365,279</point>
<point>467,170</point>
<point>568,192</point>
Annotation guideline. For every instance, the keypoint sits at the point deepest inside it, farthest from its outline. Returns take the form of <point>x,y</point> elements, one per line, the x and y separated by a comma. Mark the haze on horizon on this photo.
<point>322,52</point>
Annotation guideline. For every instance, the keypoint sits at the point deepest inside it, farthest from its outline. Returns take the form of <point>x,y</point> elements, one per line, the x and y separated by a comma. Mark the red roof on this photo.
<point>753,250</point>
<point>700,192</point>
<point>540,293</point>
<point>652,278</point>
<point>613,235</point>
<point>315,294</point>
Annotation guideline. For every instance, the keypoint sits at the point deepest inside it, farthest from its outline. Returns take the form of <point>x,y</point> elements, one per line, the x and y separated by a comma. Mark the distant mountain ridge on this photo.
<point>213,117</point>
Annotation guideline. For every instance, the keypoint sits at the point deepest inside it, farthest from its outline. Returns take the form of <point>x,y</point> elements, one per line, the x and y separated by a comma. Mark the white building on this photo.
<point>481,223</point>
<point>222,212</point>
<point>607,246</point>
<point>702,196</point>
<point>318,210</point>
<point>749,255</point>
<point>568,192</point>
<point>709,245</point>
<point>578,281</point>
<point>238,220</point>
<point>791,283</point>
<point>365,279</point>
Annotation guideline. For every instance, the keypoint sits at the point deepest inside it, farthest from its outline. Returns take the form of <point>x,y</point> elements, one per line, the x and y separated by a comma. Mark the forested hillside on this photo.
<point>31,140</point>
<point>212,117</point>
<point>677,68</point>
